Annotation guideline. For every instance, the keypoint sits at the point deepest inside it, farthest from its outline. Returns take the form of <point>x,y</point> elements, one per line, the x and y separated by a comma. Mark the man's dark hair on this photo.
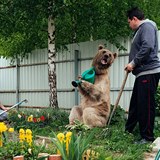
<point>135,12</point>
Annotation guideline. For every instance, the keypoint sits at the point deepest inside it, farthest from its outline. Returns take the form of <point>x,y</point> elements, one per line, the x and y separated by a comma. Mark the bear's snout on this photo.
<point>105,59</point>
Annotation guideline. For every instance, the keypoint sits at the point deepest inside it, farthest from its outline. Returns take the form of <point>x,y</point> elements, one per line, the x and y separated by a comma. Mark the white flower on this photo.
<point>19,116</point>
<point>29,150</point>
<point>43,142</point>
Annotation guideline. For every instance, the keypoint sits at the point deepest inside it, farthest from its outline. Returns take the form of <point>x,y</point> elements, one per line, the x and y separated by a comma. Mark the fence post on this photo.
<point>76,56</point>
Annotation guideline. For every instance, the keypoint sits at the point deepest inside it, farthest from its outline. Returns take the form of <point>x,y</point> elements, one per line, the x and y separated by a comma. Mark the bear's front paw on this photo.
<point>85,85</point>
<point>79,77</point>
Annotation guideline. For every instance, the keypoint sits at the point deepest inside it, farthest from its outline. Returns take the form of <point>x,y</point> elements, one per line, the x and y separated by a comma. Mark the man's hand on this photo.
<point>129,67</point>
<point>3,108</point>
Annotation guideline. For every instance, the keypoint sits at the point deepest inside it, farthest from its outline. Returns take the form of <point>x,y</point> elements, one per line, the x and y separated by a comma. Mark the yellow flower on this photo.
<point>3,127</point>
<point>90,154</point>
<point>1,143</point>
<point>60,136</point>
<point>28,131</point>
<point>11,130</point>
<point>38,119</point>
<point>21,131</point>
<point>68,138</point>
<point>21,135</point>
<point>29,140</point>
<point>30,118</point>
<point>29,136</point>
<point>68,134</point>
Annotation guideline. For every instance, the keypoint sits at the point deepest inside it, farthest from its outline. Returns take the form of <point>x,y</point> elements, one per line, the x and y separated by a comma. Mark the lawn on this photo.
<point>110,143</point>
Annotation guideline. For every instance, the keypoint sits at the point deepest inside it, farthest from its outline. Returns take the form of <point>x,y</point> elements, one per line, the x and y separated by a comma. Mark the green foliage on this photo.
<point>118,116</point>
<point>110,141</point>
<point>24,22</point>
<point>15,41</point>
<point>157,118</point>
<point>77,146</point>
<point>157,97</point>
<point>53,119</point>
<point>78,126</point>
<point>12,148</point>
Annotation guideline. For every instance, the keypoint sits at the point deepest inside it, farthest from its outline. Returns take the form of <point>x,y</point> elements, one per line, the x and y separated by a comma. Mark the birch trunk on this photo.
<point>51,63</point>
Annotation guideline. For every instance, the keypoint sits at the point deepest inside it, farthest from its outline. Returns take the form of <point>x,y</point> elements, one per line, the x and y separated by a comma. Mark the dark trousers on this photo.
<point>142,105</point>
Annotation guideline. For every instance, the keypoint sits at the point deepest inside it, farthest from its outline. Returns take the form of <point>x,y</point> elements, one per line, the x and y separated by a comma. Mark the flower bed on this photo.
<point>21,143</point>
<point>67,146</point>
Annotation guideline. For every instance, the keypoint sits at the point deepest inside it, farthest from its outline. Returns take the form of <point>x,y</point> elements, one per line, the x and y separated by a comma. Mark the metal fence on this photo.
<point>28,79</point>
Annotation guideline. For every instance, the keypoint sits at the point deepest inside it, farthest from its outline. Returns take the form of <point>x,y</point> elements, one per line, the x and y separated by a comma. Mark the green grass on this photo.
<point>112,141</point>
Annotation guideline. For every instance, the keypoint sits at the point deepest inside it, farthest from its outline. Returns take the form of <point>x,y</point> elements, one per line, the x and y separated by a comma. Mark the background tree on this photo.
<point>27,24</point>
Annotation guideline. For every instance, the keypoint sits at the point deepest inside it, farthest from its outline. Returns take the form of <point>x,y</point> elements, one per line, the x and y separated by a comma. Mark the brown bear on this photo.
<point>94,108</point>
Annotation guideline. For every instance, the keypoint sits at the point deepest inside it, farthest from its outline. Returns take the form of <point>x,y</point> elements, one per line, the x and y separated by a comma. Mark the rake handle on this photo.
<point>25,100</point>
<point>118,98</point>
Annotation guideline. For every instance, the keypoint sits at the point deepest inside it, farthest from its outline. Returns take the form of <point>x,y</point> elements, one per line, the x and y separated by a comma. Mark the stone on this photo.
<point>155,148</point>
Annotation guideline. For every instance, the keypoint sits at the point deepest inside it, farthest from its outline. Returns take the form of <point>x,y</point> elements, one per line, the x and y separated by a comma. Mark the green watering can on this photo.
<point>88,75</point>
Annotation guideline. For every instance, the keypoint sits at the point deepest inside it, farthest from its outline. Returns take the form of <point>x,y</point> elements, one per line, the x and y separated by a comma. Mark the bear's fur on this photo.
<point>94,108</point>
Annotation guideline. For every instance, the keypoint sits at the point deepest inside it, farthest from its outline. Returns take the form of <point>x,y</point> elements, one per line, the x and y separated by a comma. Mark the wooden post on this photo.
<point>55,157</point>
<point>18,158</point>
<point>76,56</point>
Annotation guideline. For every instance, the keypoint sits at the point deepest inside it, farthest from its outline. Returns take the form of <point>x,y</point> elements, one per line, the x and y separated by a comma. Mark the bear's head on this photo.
<point>103,60</point>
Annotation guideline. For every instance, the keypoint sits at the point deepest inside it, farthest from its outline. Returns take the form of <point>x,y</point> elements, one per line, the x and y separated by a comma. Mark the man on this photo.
<point>145,65</point>
<point>4,115</point>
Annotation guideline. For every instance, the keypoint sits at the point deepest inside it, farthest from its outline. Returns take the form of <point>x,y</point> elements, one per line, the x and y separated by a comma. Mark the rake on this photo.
<point>17,104</point>
<point>118,98</point>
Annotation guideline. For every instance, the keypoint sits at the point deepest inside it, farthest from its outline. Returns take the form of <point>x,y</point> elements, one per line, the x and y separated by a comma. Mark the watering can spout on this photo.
<point>75,83</point>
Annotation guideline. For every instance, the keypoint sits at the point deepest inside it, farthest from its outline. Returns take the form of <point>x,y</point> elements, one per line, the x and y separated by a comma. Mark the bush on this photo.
<point>52,119</point>
<point>157,97</point>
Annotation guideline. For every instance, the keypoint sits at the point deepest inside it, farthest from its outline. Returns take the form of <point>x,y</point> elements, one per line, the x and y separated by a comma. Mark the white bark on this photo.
<point>51,63</point>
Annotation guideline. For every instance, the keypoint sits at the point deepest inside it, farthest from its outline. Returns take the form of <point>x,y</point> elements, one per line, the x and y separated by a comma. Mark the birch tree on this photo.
<point>51,57</point>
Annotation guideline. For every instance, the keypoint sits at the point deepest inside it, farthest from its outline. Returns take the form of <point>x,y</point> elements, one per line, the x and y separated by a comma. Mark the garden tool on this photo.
<point>17,104</point>
<point>119,96</point>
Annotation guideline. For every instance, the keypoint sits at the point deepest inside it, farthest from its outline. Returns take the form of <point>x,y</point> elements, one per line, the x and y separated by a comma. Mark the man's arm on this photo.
<point>2,107</point>
<point>147,43</point>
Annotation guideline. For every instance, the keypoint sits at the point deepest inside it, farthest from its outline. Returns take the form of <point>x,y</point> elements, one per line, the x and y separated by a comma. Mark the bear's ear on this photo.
<point>115,55</point>
<point>100,47</point>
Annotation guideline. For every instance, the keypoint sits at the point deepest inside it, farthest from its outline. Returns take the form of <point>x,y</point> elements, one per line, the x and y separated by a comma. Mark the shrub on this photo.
<point>157,97</point>
<point>49,118</point>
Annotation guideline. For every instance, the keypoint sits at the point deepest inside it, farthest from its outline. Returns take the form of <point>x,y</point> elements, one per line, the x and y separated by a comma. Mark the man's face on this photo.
<point>133,24</point>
